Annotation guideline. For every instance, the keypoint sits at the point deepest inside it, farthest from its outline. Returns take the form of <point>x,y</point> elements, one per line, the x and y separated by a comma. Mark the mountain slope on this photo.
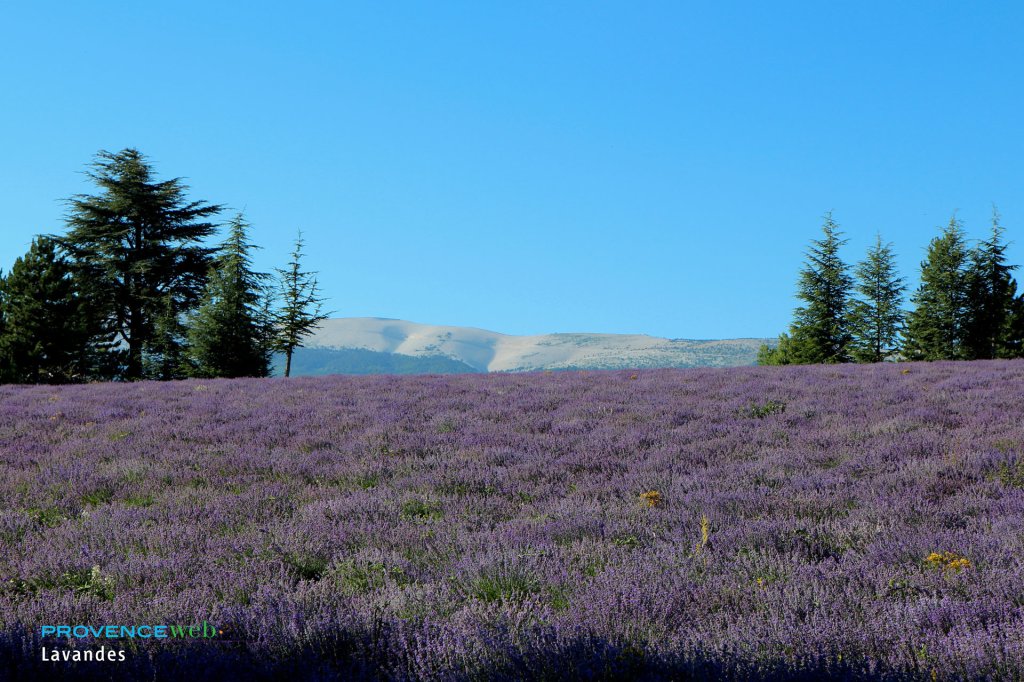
<point>369,344</point>
<point>318,361</point>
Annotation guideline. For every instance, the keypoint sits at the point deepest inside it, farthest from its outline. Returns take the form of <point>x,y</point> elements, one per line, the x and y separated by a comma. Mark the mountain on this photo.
<point>374,345</point>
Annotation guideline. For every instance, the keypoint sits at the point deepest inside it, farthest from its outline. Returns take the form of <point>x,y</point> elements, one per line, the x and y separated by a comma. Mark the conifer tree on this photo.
<point>164,357</point>
<point>819,331</point>
<point>137,243</point>
<point>991,296</point>
<point>936,326</point>
<point>301,308</point>
<point>229,333</point>
<point>1013,344</point>
<point>5,361</point>
<point>876,317</point>
<point>46,326</point>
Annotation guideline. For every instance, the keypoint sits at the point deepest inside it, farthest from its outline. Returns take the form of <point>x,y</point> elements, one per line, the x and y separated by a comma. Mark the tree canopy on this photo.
<point>134,290</point>
<point>301,308</point>
<point>991,292</point>
<point>966,306</point>
<point>46,325</point>
<point>229,332</point>
<point>138,245</point>
<point>936,327</point>
<point>876,315</point>
<point>819,332</point>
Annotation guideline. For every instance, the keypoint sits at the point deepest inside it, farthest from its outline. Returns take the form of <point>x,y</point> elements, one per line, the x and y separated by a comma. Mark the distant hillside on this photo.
<point>371,345</point>
<point>317,361</point>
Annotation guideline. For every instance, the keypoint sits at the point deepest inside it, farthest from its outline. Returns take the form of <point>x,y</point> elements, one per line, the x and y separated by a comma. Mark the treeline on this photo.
<point>132,290</point>
<point>966,307</point>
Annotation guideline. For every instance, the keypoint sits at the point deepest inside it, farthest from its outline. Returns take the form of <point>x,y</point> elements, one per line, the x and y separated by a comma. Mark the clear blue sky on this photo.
<point>534,167</point>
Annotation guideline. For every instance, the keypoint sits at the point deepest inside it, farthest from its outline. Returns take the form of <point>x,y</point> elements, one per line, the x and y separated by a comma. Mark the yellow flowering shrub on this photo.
<point>950,561</point>
<point>652,498</point>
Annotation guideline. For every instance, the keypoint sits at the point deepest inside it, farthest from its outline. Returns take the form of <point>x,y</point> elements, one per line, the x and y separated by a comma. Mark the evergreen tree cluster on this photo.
<point>132,290</point>
<point>966,307</point>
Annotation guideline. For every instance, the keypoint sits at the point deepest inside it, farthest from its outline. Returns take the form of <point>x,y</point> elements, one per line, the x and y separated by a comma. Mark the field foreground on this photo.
<point>859,522</point>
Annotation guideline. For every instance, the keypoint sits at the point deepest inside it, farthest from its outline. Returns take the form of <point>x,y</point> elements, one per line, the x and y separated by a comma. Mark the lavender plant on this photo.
<point>851,522</point>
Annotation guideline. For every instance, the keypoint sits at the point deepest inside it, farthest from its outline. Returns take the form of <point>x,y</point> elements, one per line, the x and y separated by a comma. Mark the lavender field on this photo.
<point>855,522</point>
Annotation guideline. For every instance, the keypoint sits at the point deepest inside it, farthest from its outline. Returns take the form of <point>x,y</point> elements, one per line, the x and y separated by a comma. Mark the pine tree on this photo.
<point>229,333</point>
<point>301,310</point>
<point>819,331</point>
<point>6,368</point>
<point>46,326</point>
<point>1013,344</point>
<point>164,357</point>
<point>5,361</point>
<point>876,317</point>
<point>991,295</point>
<point>137,243</point>
<point>936,326</point>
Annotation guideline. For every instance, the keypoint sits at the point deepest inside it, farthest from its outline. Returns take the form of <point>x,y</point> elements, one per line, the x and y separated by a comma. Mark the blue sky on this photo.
<point>534,167</point>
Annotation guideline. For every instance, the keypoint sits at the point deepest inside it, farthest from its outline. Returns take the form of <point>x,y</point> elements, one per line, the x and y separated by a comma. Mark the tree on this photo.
<point>1013,345</point>
<point>229,334</point>
<point>991,296</point>
<point>5,361</point>
<point>165,354</point>
<point>791,349</point>
<point>936,327</point>
<point>46,329</point>
<point>770,355</point>
<point>876,318</point>
<point>819,331</point>
<point>138,243</point>
<point>301,309</point>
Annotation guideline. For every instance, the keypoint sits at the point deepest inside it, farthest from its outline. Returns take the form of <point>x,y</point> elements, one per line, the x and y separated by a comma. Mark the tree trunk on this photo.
<point>134,345</point>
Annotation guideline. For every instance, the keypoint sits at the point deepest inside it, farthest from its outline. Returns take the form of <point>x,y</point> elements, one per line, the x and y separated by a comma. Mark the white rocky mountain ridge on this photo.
<point>487,351</point>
